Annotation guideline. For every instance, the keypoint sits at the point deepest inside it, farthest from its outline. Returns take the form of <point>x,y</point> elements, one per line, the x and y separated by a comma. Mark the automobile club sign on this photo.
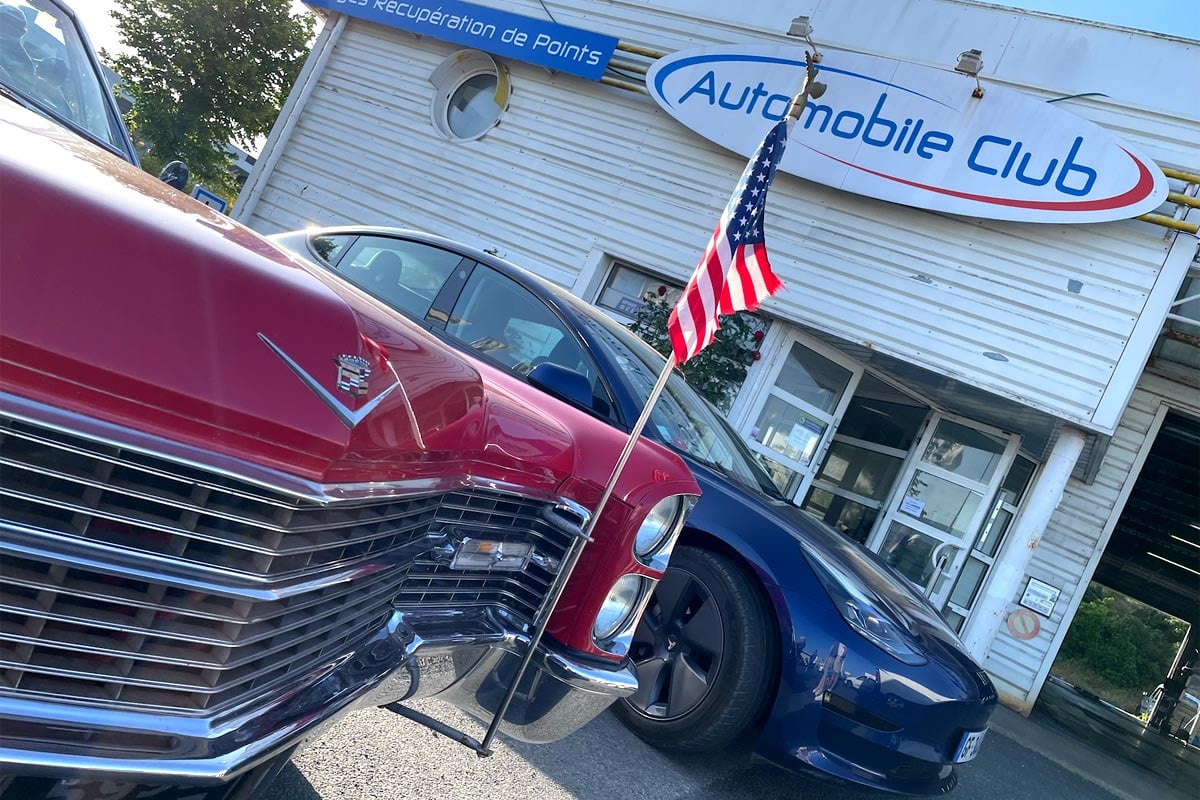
<point>912,134</point>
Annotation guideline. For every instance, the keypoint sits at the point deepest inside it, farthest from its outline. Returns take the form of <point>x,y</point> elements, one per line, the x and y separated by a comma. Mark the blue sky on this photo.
<point>1178,17</point>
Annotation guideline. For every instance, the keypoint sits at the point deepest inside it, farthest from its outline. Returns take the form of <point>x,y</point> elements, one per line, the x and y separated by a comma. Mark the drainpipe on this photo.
<point>1010,569</point>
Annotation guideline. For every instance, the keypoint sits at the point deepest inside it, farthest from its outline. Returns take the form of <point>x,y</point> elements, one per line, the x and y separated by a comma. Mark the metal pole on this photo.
<point>810,88</point>
<point>573,558</point>
<point>634,433</point>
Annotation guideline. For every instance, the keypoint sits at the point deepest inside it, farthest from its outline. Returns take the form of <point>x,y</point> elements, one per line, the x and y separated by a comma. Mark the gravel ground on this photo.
<point>376,755</point>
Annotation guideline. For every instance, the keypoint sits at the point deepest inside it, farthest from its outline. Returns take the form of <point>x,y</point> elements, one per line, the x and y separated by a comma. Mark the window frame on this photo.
<point>337,266</point>
<point>439,317</point>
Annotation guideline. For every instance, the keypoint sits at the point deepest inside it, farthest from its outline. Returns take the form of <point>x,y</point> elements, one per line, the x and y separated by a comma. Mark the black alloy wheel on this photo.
<point>705,653</point>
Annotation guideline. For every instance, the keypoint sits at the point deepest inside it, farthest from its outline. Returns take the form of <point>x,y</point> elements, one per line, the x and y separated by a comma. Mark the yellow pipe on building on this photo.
<point>628,86</point>
<point>637,50</point>
<point>1171,222</point>
<point>1183,200</point>
<point>1180,175</point>
<point>628,66</point>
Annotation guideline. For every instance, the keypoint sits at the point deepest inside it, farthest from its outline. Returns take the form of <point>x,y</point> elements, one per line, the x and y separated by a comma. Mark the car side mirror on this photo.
<point>562,382</point>
<point>175,174</point>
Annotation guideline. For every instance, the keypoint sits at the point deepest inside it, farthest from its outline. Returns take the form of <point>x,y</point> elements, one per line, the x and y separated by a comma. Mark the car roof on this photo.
<point>557,294</point>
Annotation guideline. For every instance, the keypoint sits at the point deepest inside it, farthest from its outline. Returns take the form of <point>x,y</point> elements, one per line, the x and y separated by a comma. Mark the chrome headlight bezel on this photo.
<point>616,635</point>
<point>656,535</point>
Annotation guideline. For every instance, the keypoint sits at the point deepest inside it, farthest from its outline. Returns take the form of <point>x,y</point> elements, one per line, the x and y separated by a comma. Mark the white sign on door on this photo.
<point>913,506</point>
<point>912,134</point>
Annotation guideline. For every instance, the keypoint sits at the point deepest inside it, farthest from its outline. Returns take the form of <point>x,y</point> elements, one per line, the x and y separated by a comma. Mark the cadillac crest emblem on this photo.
<point>352,374</point>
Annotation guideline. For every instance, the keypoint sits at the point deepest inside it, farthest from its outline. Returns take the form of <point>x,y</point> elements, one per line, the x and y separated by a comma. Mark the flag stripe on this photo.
<point>734,273</point>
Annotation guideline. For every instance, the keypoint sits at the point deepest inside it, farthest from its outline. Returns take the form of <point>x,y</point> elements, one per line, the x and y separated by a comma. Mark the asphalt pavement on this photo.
<point>376,755</point>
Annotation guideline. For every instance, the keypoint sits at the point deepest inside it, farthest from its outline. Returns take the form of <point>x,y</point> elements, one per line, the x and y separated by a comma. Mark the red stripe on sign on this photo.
<point>1140,191</point>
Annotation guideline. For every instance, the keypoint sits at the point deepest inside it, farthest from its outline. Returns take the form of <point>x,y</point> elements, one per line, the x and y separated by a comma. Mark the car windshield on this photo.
<point>681,418</point>
<point>45,66</point>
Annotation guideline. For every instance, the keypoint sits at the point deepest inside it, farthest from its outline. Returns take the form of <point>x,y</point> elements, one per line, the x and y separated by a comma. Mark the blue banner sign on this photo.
<point>547,44</point>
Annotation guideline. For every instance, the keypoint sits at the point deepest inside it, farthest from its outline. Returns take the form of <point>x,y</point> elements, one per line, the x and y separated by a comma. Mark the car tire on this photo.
<point>706,653</point>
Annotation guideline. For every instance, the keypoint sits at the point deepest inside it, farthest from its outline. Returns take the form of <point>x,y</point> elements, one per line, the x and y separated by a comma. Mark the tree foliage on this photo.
<point>1125,642</point>
<point>203,74</point>
<point>719,369</point>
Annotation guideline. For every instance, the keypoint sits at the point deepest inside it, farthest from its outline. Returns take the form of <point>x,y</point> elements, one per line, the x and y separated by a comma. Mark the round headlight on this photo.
<point>657,526</point>
<point>621,602</point>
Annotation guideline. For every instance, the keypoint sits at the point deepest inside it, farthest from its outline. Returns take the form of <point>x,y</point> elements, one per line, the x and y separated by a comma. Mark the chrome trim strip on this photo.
<point>207,511</point>
<point>226,541</point>
<point>195,688</point>
<point>103,557</point>
<point>125,463</point>
<point>196,612</point>
<point>75,424</point>
<point>373,595</point>
<point>347,417</point>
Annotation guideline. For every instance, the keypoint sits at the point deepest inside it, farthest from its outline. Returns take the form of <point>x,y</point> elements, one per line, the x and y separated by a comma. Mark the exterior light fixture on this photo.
<point>810,89</point>
<point>801,28</point>
<point>970,62</point>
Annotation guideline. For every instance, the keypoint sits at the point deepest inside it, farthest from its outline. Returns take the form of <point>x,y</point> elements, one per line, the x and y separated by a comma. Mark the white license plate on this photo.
<point>969,746</point>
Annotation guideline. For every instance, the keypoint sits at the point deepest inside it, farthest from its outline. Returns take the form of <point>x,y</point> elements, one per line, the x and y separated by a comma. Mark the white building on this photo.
<point>1038,349</point>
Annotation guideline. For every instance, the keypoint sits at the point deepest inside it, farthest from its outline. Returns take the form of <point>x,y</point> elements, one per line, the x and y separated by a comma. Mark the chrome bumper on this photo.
<point>466,659</point>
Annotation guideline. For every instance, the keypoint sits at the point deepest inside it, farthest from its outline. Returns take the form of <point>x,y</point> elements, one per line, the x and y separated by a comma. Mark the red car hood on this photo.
<point>123,299</point>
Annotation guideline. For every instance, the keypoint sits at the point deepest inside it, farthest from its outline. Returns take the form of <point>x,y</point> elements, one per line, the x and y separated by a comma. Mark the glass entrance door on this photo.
<point>795,415</point>
<point>932,524</point>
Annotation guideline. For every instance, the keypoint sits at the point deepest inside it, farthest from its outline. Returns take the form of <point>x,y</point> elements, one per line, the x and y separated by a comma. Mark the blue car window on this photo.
<point>502,319</point>
<point>404,274</point>
<point>681,418</point>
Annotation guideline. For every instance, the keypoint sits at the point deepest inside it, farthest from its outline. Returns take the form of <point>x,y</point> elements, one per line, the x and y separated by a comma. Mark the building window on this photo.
<point>719,371</point>
<point>983,553</point>
<point>472,95</point>
<point>865,459</point>
<point>626,288</point>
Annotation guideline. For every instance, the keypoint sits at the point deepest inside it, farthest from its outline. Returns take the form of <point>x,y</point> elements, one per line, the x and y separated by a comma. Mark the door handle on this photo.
<point>939,566</point>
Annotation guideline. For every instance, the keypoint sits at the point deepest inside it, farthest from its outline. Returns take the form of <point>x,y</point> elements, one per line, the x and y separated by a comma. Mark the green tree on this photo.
<point>203,74</point>
<point>1127,643</point>
<point>719,370</point>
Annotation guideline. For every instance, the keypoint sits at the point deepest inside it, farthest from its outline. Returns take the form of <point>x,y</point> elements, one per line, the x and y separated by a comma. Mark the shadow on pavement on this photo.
<point>290,784</point>
<point>586,766</point>
<point>375,755</point>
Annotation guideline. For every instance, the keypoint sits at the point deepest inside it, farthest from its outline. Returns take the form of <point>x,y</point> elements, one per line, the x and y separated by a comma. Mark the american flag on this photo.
<point>733,274</point>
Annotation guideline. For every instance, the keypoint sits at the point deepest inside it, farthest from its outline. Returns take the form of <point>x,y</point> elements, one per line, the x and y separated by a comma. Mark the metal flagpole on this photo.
<point>810,88</point>
<point>634,433</point>
<point>568,567</point>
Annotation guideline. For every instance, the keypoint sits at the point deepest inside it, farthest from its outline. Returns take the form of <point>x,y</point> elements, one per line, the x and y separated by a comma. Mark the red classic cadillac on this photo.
<point>240,498</point>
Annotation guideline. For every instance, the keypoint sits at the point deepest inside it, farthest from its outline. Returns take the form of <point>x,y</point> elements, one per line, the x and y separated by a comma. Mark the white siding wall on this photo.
<point>1075,539</point>
<point>578,170</point>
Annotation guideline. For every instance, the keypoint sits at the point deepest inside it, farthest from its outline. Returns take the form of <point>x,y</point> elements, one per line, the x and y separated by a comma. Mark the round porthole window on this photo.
<point>472,95</point>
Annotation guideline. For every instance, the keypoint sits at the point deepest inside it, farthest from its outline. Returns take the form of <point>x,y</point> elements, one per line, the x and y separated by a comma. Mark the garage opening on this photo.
<point>1127,675</point>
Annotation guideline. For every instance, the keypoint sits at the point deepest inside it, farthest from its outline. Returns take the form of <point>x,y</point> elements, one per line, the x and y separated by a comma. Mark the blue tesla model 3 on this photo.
<point>767,623</point>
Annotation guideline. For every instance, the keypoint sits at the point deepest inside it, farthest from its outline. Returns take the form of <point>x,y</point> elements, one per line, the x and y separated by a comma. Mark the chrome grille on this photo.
<point>134,580</point>
<point>429,582</point>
